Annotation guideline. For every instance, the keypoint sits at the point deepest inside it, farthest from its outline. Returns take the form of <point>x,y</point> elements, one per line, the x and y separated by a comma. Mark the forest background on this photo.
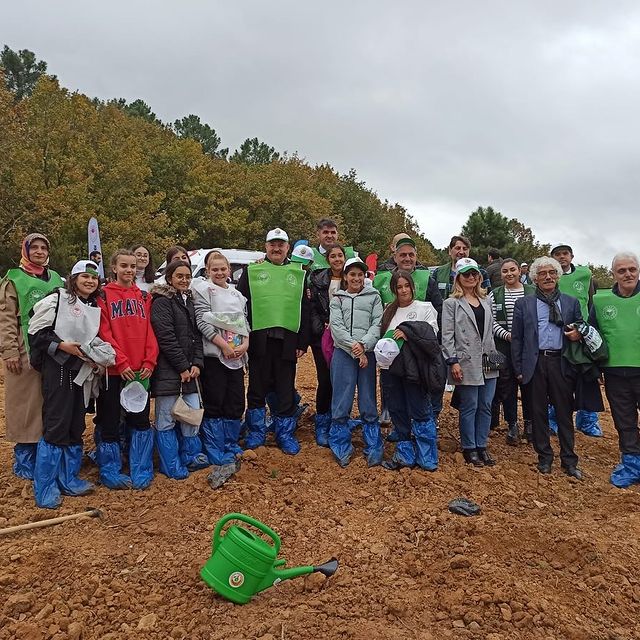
<point>66,157</point>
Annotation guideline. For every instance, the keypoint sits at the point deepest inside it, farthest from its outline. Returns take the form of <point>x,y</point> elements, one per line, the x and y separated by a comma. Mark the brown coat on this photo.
<point>22,392</point>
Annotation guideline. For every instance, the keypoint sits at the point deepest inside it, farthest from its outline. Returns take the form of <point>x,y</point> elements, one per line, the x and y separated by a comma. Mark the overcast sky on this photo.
<point>529,107</point>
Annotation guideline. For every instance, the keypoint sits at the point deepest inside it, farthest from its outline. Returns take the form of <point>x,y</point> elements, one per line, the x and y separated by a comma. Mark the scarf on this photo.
<point>26,264</point>
<point>555,316</point>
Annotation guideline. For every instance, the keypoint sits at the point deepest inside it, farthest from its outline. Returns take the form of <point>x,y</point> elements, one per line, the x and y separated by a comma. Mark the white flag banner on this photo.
<point>94,242</point>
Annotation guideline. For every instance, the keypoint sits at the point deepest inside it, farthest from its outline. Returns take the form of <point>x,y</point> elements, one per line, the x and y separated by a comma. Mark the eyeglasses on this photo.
<point>179,276</point>
<point>472,273</point>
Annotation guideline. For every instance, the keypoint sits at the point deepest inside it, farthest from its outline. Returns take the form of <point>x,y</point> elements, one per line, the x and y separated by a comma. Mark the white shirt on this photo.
<point>334,285</point>
<point>417,311</point>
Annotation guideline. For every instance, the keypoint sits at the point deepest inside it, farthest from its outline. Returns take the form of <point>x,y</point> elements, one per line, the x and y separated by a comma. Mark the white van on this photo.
<point>238,259</point>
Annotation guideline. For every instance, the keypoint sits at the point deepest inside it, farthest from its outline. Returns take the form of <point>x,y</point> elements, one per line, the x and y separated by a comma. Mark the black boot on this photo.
<point>471,457</point>
<point>513,436</point>
<point>528,431</point>
<point>485,458</point>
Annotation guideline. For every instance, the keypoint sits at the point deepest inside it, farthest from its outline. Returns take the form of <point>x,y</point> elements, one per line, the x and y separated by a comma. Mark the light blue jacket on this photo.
<point>355,317</point>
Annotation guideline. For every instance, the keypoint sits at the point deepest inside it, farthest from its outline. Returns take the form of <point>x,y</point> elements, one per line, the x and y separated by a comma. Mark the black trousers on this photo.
<point>623,394</point>
<point>324,390</point>
<point>222,390</point>
<point>109,412</point>
<point>63,408</point>
<point>507,396</point>
<point>270,372</point>
<point>549,386</point>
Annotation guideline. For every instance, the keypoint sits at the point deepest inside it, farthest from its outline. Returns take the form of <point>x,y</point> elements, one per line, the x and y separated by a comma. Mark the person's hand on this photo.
<point>228,351</point>
<point>399,334</point>
<point>128,374</point>
<point>185,376</point>
<point>300,353</point>
<point>573,335</point>
<point>194,372</point>
<point>363,361</point>
<point>145,373</point>
<point>357,349</point>
<point>72,348</point>
<point>508,337</point>
<point>241,350</point>
<point>13,365</point>
<point>456,372</point>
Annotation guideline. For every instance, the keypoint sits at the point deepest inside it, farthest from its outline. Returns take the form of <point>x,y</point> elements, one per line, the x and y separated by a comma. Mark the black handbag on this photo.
<point>494,361</point>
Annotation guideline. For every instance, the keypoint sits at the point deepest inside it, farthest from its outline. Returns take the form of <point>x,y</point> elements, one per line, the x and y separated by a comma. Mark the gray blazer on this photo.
<point>461,341</point>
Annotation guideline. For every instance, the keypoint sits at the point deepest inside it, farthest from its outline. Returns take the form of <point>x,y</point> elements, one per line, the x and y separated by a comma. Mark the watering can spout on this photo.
<point>275,576</point>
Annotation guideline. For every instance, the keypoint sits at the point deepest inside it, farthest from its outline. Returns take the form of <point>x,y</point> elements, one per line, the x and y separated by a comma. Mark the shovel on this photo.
<point>89,512</point>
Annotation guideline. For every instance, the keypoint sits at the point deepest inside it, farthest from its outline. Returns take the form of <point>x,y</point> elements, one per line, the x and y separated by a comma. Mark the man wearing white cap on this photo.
<point>278,310</point>
<point>524,273</point>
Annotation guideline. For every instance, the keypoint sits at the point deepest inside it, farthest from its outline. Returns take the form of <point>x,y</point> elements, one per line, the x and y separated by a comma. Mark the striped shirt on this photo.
<point>510,297</point>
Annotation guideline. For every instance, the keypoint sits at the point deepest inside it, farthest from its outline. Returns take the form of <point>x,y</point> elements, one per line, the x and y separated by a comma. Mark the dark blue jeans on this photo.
<point>406,401</point>
<point>346,376</point>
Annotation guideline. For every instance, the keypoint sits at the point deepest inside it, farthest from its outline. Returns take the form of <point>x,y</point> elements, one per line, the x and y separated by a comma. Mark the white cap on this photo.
<point>385,351</point>
<point>85,266</point>
<point>466,264</point>
<point>524,264</point>
<point>134,397</point>
<point>354,261</point>
<point>277,234</point>
<point>302,253</point>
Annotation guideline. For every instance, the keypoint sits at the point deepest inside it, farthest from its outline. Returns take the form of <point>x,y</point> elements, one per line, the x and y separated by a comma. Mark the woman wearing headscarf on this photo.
<point>20,289</point>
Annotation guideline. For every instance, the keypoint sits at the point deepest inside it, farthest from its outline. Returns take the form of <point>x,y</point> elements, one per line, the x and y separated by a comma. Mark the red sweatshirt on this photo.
<point>125,325</point>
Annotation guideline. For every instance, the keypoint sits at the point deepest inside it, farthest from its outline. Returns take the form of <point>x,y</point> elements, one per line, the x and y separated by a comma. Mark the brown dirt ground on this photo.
<point>548,558</point>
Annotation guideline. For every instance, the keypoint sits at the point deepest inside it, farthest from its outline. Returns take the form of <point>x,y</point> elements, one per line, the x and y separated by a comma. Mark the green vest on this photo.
<point>576,285</point>
<point>320,261</point>
<point>498,299</point>
<point>443,276</point>
<point>619,323</point>
<point>276,295</point>
<point>382,282</point>
<point>30,290</point>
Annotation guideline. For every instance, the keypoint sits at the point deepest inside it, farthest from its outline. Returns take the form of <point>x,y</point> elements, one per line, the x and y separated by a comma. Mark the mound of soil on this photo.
<point>548,558</point>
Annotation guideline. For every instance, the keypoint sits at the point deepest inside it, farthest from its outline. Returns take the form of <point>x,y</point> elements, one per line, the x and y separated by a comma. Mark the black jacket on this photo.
<point>291,341</point>
<point>180,342</point>
<point>420,360</point>
<point>319,282</point>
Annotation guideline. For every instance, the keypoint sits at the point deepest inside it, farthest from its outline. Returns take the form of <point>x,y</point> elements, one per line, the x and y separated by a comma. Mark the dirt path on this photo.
<point>549,557</point>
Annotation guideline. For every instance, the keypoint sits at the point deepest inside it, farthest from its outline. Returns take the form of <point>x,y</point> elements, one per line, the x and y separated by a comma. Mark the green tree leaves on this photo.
<point>21,71</point>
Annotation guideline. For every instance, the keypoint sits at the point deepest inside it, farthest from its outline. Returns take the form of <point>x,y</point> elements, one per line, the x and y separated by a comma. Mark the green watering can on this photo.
<point>242,563</point>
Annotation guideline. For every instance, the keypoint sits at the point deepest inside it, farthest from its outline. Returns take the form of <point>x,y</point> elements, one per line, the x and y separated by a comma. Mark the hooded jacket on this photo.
<point>355,317</point>
<point>125,325</point>
<point>420,359</point>
<point>179,341</point>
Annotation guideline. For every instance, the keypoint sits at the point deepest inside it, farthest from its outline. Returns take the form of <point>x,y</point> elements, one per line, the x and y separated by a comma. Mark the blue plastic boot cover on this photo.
<point>25,460</point>
<point>340,442</point>
<point>169,458</point>
<point>393,436</point>
<point>191,453</point>
<point>256,428</point>
<point>285,438</point>
<point>354,423</point>
<point>212,433</point>
<point>68,480</point>
<point>323,424</point>
<point>627,472</point>
<point>110,464</point>
<point>587,422</point>
<point>404,454</point>
<point>141,458</point>
<point>45,475</point>
<point>426,436</point>
<point>373,445</point>
<point>553,425</point>
<point>231,436</point>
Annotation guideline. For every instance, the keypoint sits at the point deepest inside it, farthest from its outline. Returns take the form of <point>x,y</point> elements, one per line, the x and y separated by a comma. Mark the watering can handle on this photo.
<point>249,520</point>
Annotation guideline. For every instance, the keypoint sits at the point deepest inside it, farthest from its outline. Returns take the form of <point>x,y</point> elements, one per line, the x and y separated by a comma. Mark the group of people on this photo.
<point>187,342</point>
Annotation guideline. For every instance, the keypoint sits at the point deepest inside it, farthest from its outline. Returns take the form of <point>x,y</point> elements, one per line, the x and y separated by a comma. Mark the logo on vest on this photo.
<point>578,286</point>
<point>291,280</point>
<point>610,312</point>
<point>638,311</point>
<point>35,296</point>
<point>76,311</point>
<point>263,277</point>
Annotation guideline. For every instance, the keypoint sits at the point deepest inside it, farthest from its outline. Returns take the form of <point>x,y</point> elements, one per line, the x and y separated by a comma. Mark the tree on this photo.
<point>526,247</point>
<point>488,229</point>
<point>21,71</point>
<point>140,109</point>
<point>252,151</point>
<point>602,275</point>
<point>191,127</point>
